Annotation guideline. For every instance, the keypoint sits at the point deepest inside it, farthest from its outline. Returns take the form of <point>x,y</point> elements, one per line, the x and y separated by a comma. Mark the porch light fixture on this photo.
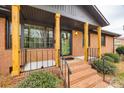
<point>76,33</point>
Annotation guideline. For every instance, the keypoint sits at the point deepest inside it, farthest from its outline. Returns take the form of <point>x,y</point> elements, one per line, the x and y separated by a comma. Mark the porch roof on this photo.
<point>33,15</point>
<point>91,10</point>
<point>97,15</point>
<point>111,33</point>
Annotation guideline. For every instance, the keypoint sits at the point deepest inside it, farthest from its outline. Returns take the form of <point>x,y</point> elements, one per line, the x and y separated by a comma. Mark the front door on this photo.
<point>66,43</point>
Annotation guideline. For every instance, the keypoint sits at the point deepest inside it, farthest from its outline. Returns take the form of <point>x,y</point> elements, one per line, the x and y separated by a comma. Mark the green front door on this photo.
<point>66,43</point>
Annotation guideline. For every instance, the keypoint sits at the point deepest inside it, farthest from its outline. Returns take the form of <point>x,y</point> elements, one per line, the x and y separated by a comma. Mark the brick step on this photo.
<point>83,76</point>
<point>79,68</point>
<point>101,84</point>
<point>77,77</point>
<point>75,63</point>
<point>88,82</point>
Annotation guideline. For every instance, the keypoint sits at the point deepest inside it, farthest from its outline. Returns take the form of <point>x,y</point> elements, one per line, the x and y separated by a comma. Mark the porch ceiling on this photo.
<point>33,15</point>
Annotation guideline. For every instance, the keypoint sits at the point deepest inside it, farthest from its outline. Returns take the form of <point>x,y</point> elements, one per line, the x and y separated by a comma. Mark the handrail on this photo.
<point>103,63</point>
<point>104,60</point>
<point>66,71</point>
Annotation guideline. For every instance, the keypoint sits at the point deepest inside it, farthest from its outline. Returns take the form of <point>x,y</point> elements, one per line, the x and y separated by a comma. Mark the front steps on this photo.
<point>83,76</point>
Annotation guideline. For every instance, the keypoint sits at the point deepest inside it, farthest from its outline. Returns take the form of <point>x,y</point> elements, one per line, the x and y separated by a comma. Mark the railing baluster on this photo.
<point>65,74</point>
<point>95,53</point>
<point>90,55</point>
<point>42,60</point>
<point>36,60</point>
<point>87,54</point>
<point>30,59</point>
<point>52,59</point>
<point>23,57</point>
<point>62,66</point>
<point>47,59</point>
<point>68,78</point>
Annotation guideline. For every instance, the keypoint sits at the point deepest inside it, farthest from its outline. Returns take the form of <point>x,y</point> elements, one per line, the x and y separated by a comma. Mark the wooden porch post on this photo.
<point>99,41</point>
<point>57,39</point>
<point>15,40</point>
<point>85,42</point>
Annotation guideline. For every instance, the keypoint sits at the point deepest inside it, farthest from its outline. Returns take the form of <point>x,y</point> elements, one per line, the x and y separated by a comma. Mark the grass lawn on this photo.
<point>120,67</point>
<point>118,80</point>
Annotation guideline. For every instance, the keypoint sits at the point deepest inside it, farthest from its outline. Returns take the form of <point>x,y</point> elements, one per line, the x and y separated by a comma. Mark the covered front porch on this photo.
<point>49,55</point>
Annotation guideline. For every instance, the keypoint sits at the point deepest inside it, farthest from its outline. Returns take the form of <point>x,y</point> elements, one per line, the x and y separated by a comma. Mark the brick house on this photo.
<point>119,41</point>
<point>67,30</point>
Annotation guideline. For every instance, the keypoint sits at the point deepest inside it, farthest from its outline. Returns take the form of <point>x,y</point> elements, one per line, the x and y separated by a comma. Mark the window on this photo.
<point>8,34</point>
<point>103,40</point>
<point>34,36</point>
<point>38,37</point>
<point>88,39</point>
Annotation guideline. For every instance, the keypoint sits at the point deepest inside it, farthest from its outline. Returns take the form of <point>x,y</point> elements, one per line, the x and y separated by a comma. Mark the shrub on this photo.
<point>108,58</point>
<point>108,67</point>
<point>120,50</point>
<point>40,80</point>
<point>115,57</point>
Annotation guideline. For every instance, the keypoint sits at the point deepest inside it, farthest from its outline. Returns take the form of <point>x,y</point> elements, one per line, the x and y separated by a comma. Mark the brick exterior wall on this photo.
<point>118,42</point>
<point>108,48</point>
<point>77,48</point>
<point>5,55</point>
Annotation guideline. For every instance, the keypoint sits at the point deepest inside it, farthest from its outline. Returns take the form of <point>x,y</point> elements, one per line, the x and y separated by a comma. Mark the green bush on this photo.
<point>115,57</point>
<point>40,80</point>
<point>120,50</point>
<point>108,67</point>
<point>108,58</point>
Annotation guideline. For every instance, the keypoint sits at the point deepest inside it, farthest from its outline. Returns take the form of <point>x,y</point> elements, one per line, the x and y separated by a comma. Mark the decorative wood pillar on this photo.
<point>85,42</point>
<point>57,39</point>
<point>15,40</point>
<point>99,41</point>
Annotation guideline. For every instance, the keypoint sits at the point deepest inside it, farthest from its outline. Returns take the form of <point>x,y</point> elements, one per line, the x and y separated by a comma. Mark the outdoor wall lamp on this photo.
<point>76,33</point>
